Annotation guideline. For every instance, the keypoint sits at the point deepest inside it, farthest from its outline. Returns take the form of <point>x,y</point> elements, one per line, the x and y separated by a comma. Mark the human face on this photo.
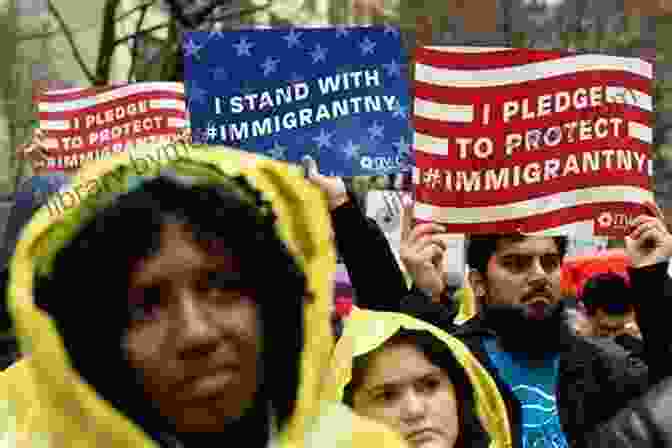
<point>402,389</point>
<point>522,272</point>
<point>194,334</point>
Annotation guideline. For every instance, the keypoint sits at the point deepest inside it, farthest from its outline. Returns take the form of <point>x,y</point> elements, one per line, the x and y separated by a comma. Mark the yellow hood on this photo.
<point>365,330</point>
<point>47,397</point>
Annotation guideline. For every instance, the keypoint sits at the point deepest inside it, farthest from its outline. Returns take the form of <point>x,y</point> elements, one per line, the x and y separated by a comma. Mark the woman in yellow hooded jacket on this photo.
<point>177,297</point>
<point>418,379</point>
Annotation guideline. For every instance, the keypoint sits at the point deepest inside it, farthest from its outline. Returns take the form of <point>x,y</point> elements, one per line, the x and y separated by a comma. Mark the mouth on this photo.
<point>421,436</point>
<point>537,305</point>
<point>211,386</point>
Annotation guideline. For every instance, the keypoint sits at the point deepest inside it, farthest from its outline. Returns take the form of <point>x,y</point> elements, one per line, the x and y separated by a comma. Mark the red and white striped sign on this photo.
<point>531,141</point>
<point>84,124</point>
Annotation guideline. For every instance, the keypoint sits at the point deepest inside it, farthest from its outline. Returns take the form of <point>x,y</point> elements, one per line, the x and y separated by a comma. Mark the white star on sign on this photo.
<point>292,38</point>
<point>277,152</point>
<point>191,48</point>
<point>342,30</point>
<point>351,150</point>
<point>243,47</point>
<point>399,110</point>
<point>367,46</point>
<point>376,130</point>
<point>402,146</point>
<point>391,29</point>
<point>393,69</point>
<point>270,65</point>
<point>324,139</point>
<point>319,54</point>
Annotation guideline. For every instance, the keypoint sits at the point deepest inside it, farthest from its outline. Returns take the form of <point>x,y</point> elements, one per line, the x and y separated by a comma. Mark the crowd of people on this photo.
<point>195,305</point>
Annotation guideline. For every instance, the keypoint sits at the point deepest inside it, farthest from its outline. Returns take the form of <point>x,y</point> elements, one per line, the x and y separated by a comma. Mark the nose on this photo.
<point>196,334</point>
<point>537,270</point>
<point>413,406</point>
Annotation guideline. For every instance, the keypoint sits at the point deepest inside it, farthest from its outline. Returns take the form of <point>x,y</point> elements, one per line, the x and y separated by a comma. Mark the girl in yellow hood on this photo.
<point>177,297</point>
<point>416,378</point>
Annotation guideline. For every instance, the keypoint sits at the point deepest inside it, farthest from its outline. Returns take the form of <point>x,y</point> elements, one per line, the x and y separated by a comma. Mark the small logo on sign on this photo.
<point>605,219</point>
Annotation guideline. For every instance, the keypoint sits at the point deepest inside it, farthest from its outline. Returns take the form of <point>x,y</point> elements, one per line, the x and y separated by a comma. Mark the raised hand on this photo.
<point>422,254</point>
<point>333,187</point>
<point>649,242</point>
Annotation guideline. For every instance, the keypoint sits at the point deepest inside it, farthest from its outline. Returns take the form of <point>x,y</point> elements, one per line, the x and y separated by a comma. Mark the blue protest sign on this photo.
<point>339,95</point>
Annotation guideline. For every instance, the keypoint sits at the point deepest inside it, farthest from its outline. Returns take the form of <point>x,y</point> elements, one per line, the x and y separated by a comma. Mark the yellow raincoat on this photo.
<point>44,403</point>
<point>366,330</point>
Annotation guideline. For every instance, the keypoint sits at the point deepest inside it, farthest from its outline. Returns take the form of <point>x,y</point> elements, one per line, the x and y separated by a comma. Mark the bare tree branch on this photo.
<point>134,50</point>
<point>143,7</point>
<point>107,42</point>
<point>68,35</point>
<point>151,29</point>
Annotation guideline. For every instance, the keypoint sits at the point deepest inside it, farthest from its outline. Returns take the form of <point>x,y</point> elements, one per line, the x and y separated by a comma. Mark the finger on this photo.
<point>423,229</point>
<point>645,226</point>
<point>649,238</point>
<point>310,166</point>
<point>430,253</point>
<point>640,219</point>
<point>653,208</point>
<point>428,240</point>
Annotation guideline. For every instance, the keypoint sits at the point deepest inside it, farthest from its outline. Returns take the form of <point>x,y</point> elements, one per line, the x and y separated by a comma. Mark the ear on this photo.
<point>478,284</point>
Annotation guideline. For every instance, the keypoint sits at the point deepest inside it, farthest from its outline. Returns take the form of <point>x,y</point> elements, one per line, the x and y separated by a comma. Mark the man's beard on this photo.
<point>532,337</point>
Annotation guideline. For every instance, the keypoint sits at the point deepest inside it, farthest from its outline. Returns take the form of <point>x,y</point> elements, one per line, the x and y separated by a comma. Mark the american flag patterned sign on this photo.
<point>82,124</point>
<point>531,141</point>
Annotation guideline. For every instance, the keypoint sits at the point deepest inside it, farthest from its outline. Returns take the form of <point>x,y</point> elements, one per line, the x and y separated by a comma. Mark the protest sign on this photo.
<point>83,124</point>
<point>531,141</point>
<point>339,95</point>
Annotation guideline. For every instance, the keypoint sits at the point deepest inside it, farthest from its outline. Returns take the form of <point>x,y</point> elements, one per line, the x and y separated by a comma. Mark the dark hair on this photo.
<point>439,354</point>
<point>481,247</point>
<point>606,291</point>
<point>86,292</point>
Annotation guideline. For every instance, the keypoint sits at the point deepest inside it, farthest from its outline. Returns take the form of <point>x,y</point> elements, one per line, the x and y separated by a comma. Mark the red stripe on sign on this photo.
<point>531,89</point>
<point>463,194</point>
<point>544,221</point>
<point>56,97</point>
<point>102,107</point>
<point>458,60</point>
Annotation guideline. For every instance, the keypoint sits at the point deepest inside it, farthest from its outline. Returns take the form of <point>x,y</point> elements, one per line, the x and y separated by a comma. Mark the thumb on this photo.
<point>310,167</point>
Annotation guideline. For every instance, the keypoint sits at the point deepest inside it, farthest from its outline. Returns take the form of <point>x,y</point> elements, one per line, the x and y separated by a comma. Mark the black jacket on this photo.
<point>595,384</point>
<point>647,423</point>
<point>376,277</point>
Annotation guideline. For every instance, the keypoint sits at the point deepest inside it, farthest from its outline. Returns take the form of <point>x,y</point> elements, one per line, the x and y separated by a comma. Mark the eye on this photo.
<point>551,262</point>
<point>428,385</point>
<point>385,396</point>
<point>220,282</point>
<point>145,304</point>
<point>517,263</point>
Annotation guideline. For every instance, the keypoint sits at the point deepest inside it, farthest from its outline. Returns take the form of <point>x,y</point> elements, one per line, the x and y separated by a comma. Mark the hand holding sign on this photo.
<point>35,150</point>
<point>333,187</point>
<point>422,255</point>
<point>650,242</point>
